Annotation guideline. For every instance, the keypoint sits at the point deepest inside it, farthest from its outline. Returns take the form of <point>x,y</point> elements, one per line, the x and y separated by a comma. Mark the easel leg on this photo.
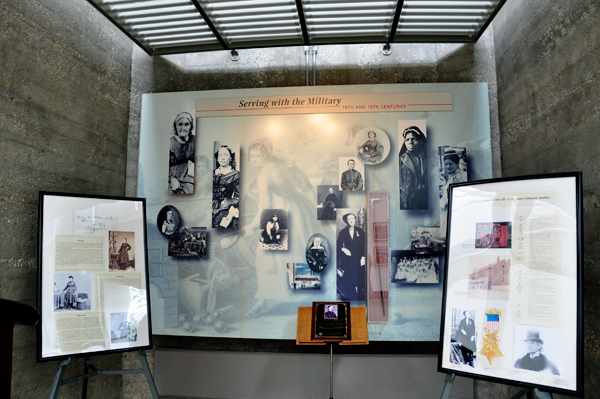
<point>58,378</point>
<point>449,380</point>
<point>85,380</point>
<point>330,371</point>
<point>146,368</point>
<point>532,394</point>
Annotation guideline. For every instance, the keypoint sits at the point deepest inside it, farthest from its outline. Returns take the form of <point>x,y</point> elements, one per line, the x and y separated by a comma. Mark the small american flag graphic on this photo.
<point>493,322</point>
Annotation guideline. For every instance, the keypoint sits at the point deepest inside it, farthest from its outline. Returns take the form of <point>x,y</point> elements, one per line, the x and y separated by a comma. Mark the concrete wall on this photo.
<point>548,67</point>
<point>65,75</point>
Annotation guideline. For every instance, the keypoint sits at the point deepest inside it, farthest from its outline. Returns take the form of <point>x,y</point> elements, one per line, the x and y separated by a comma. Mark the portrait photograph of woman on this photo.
<point>181,154</point>
<point>274,231</point>
<point>226,187</point>
<point>351,255</point>
<point>413,165</point>
<point>371,146</point>
<point>74,288</point>
<point>317,253</point>
<point>168,220</point>
<point>329,198</point>
<point>452,169</point>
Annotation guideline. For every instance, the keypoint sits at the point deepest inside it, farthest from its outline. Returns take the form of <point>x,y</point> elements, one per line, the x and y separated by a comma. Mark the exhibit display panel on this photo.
<point>92,276</point>
<point>512,308</point>
<point>280,210</point>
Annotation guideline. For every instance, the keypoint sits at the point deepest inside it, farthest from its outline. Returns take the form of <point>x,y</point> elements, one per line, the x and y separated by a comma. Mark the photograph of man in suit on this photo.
<point>535,360</point>
<point>351,179</point>
<point>351,274</point>
<point>465,336</point>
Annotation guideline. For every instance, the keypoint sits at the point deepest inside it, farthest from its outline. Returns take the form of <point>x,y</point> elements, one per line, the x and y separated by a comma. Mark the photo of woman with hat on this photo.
<point>181,155</point>
<point>534,359</point>
<point>351,242</point>
<point>413,167</point>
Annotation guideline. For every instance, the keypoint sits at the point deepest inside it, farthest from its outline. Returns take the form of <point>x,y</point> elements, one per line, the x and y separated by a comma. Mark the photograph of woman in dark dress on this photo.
<point>271,234</point>
<point>280,184</point>
<point>329,205</point>
<point>181,155</point>
<point>124,254</point>
<point>413,169</point>
<point>351,274</point>
<point>317,254</point>
<point>371,151</point>
<point>226,190</point>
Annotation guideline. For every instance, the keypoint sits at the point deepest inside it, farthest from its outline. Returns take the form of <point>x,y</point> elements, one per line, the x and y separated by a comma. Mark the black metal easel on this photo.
<point>528,392</point>
<point>58,381</point>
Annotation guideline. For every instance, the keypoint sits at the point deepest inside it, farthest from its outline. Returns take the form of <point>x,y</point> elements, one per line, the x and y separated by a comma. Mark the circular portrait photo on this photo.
<point>317,253</point>
<point>168,220</point>
<point>371,145</point>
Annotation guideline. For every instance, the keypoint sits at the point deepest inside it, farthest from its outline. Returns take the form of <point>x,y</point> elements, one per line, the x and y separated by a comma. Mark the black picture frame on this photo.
<point>63,217</point>
<point>331,321</point>
<point>561,193</point>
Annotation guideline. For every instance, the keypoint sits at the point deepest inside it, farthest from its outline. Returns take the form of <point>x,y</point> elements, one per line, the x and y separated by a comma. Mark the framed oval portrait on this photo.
<point>371,145</point>
<point>168,220</point>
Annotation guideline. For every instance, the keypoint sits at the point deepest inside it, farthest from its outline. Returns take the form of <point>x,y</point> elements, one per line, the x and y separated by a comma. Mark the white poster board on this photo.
<point>512,297</point>
<point>92,276</point>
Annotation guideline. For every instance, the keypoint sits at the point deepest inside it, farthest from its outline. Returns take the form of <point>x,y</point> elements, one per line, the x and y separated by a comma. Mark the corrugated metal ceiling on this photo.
<point>185,26</point>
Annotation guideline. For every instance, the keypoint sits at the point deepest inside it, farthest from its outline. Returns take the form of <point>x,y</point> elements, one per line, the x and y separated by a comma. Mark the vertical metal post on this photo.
<point>314,51</point>
<point>330,371</point>
<point>306,51</point>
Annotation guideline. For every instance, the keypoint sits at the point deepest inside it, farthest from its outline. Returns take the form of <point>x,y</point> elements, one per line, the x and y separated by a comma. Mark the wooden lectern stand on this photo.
<point>358,333</point>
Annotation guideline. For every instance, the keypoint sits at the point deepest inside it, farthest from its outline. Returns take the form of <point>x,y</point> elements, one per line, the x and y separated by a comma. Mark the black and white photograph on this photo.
<point>427,240</point>
<point>226,186</point>
<point>181,154</point>
<point>274,230</point>
<point>329,198</point>
<point>537,349</point>
<point>318,253</point>
<point>121,251</point>
<point>371,146</point>
<point>331,312</point>
<point>464,337</point>
<point>409,267</point>
<point>168,220</point>
<point>189,241</point>
<point>489,277</point>
<point>352,174</point>
<point>412,134</point>
<point>351,254</point>
<point>302,277</point>
<point>122,328</point>
<point>452,169</point>
<point>72,291</point>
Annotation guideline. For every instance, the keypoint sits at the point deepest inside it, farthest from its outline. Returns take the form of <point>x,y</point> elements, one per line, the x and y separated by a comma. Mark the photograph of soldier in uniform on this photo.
<point>274,230</point>
<point>537,349</point>
<point>121,251</point>
<point>351,174</point>
<point>74,290</point>
<point>464,337</point>
<point>409,267</point>
<point>427,240</point>
<point>413,165</point>
<point>329,198</point>
<point>190,241</point>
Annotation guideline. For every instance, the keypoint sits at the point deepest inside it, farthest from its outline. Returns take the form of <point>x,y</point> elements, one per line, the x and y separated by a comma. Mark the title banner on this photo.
<point>325,103</point>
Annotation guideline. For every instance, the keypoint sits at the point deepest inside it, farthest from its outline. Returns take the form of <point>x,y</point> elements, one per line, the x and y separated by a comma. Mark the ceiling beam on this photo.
<point>210,24</point>
<point>302,22</point>
<point>394,26</point>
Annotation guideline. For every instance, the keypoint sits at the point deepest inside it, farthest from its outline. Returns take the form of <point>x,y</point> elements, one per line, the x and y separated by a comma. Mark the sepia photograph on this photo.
<point>409,267</point>
<point>274,230</point>
<point>302,277</point>
<point>427,240</point>
<point>371,146</point>
<point>329,198</point>
<point>72,291</point>
<point>181,154</point>
<point>168,220</point>
<point>226,186</point>
<point>464,337</point>
<point>489,277</point>
<point>352,174</point>
<point>413,164</point>
<point>190,241</point>
<point>121,251</point>
<point>493,235</point>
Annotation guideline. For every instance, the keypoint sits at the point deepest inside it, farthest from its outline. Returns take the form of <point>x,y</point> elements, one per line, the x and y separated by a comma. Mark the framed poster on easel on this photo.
<point>512,303</point>
<point>92,276</point>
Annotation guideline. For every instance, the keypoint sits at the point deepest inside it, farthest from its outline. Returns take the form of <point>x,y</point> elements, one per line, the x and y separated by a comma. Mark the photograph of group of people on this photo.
<point>412,268</point>
<point>534,348</point>
<point>189,241</point>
